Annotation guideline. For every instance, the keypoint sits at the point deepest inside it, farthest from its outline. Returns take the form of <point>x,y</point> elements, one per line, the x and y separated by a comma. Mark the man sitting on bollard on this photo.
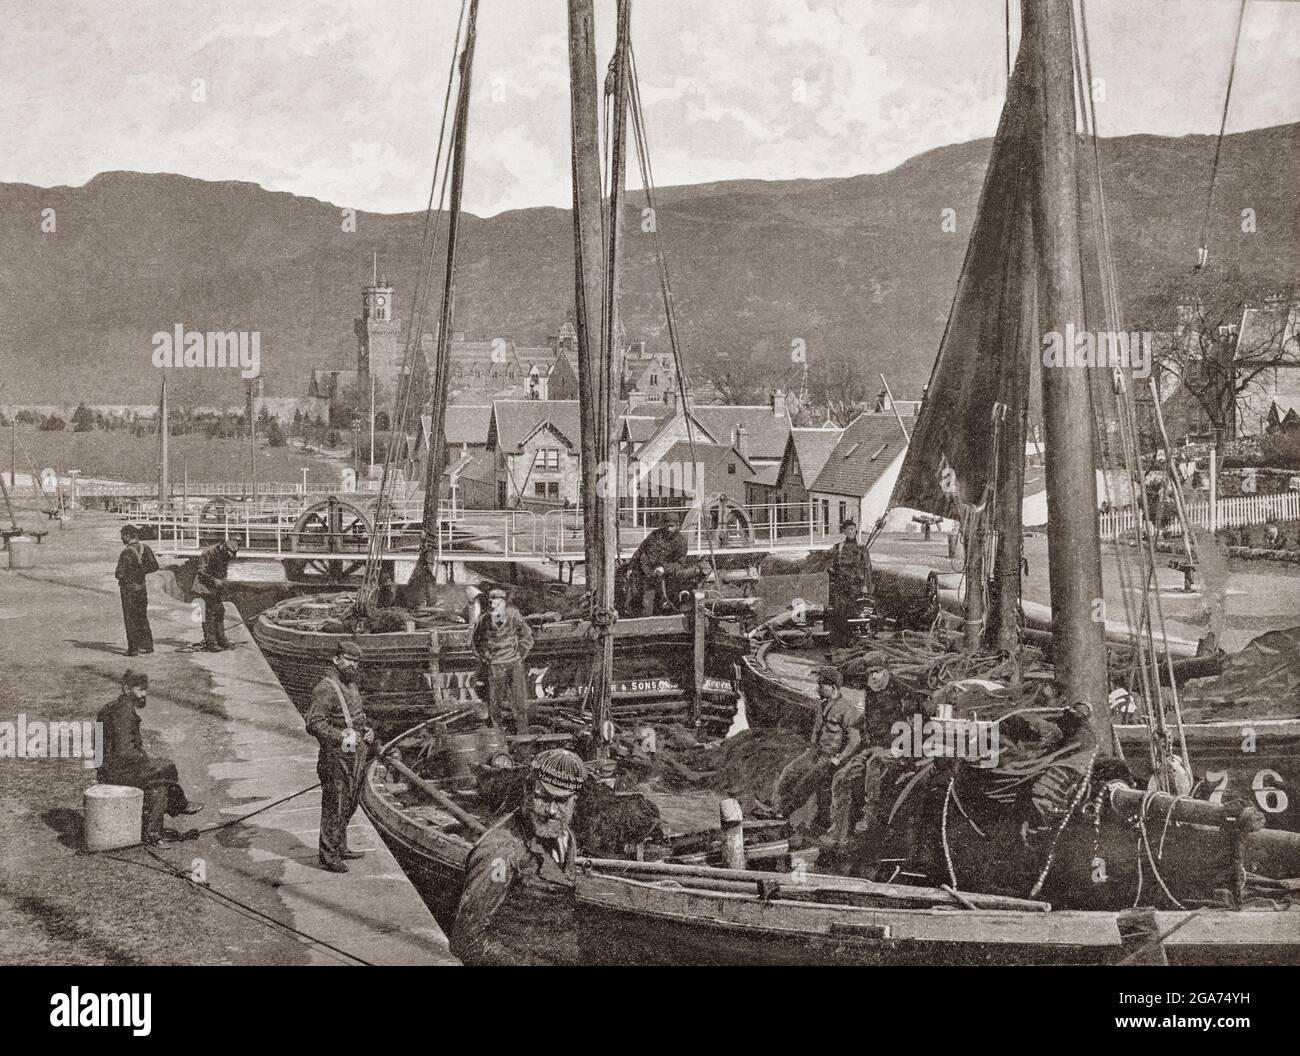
<point>127,763</point>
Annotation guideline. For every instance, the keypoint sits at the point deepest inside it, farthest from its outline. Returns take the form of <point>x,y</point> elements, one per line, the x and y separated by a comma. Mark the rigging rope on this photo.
<point>1203,255</point>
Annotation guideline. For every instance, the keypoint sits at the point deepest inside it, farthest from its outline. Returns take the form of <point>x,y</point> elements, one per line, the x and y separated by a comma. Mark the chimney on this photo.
<point>778,403</point>
<point>740,441</point>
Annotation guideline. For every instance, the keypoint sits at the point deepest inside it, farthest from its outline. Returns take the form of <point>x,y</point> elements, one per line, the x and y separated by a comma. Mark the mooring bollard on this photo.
<point>733,834</point>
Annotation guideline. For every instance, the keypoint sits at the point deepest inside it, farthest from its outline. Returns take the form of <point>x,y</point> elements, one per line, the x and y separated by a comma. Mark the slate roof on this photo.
<point>867,448</point>
<point>513,421</point>
<point>768,432</point>
<point>813,447</point>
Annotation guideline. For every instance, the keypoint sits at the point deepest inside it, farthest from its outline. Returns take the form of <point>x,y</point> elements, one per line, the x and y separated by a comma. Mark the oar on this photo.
<point>437,795</point>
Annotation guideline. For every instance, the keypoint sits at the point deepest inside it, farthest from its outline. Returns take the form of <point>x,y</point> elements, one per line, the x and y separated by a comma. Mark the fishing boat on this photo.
<point>1059,819</point>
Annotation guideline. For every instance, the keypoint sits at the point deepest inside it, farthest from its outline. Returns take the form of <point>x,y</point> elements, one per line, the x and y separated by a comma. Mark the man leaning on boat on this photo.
<point>502,640</point>
<point>517,903</point>
<point>337,719</point>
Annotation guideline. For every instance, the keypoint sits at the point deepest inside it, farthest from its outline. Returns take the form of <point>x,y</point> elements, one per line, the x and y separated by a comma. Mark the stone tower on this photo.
<point>378,348</point>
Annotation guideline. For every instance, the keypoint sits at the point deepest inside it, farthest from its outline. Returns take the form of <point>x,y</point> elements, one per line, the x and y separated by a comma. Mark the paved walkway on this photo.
<point>239,744</point>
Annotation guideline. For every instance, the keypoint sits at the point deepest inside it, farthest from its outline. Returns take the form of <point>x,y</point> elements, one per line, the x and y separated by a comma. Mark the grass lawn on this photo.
<point>121,456</point>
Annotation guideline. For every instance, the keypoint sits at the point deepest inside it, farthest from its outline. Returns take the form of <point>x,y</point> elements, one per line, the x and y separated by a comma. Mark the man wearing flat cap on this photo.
<point>502,640</point>
<point>210,585</point>
<point>337,719</point>
<point>836,736</point>
<point>850,577</point>
<point>656,562</point>
<point>127,763</point>
<point>517,903</point>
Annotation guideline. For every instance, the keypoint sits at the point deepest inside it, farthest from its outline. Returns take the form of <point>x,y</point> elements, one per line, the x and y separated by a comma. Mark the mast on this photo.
<point>1074,547</point>
<point>252,446</point>
<point>442,368</point>
<point>595,390</point>
<point>164,458</point>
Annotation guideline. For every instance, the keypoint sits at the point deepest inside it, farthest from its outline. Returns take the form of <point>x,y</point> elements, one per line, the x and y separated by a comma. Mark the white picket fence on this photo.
<point>1236,512</point>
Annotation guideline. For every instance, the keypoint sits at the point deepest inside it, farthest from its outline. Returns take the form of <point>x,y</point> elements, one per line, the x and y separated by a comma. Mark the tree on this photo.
<point>52,424</point>
<point>83,419</point>
<point>275,435</point>
<point>734,380</point>
<point>841,386</point>
<point>1216,365</point>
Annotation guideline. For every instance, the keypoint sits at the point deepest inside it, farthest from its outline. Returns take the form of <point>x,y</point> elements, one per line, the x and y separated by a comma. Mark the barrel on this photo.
<point>113,817</point>
<point>492,744</point>
<point>22,551</point>
<point>462,752</point>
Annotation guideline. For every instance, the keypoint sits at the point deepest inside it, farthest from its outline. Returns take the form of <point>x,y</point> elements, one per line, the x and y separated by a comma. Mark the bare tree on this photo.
<point>842,386</point>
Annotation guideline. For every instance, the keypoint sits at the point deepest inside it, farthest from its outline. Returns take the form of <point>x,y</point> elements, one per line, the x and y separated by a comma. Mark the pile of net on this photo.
<point>1263,680</point>
<point>744,767</point>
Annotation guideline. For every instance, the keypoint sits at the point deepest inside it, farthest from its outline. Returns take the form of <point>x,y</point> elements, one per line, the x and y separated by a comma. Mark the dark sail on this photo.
<point>984,358</point>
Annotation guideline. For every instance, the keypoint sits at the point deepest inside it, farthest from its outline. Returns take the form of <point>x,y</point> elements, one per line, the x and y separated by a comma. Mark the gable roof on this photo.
<point>466,423</point>
<point>682,452</point>
<point>868,447</point>
<point>813,447</point>
<point>513,421</point>
<point>768,432</point>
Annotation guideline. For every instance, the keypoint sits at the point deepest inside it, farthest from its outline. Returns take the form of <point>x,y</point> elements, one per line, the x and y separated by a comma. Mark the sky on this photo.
<point>341,99</point>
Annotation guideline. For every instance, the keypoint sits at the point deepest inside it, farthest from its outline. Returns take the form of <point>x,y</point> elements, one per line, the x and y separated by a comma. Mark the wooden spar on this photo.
<point>164,455</point>
<point>594,278</point>
<point>252,445</point>
<point>446,803</point>
<point>1009,513</point>
<point>1074,545</point>
<point>442,368</point>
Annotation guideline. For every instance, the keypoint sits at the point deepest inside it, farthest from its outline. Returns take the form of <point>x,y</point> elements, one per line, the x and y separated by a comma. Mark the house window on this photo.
<point>731,468</point>
<point>654,379</point>
<point>547,489</point>
<point>548,459</point>
<point>843,512</point>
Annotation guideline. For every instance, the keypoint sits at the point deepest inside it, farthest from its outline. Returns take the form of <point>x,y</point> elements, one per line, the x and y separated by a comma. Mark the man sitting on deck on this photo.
<point>337,719</point>
<point>659,558</point>
<point>836,735</point>
<point>127,763</point>
<point>517,903</point>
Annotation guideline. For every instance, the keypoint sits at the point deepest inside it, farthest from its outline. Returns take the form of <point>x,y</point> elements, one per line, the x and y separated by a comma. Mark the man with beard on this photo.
<point>517,903</point>
<point>127,763</point>
<point>337,720</point>
<point>210,585</point>
<point>134,563</point>
<point>501,641</point>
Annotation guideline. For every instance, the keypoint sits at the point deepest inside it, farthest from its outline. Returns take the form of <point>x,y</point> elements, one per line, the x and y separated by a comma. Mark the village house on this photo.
<point>859,474</point>
<point>806,453</point>
<point>536,453</point>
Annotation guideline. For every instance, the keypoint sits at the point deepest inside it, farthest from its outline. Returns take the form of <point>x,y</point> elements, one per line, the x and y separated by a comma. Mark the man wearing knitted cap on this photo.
<point>127,763</point>
<point>337,719</point>
<point>517,903</point>
<point>501,641</point>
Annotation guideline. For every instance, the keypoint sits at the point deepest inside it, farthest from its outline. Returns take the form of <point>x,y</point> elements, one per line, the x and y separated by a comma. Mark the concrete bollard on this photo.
<point>114,817</point>
<point>22,551</point>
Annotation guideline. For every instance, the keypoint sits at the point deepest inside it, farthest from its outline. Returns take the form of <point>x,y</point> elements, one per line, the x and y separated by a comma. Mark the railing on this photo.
<point>1238,511</point>
<point>507,535</point>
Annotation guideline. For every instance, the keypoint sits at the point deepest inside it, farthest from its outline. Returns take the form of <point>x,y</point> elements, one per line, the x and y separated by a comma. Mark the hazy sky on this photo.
<point>340,99</point>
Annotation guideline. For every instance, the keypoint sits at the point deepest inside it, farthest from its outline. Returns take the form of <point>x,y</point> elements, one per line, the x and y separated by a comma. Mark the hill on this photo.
<point>857,267</point>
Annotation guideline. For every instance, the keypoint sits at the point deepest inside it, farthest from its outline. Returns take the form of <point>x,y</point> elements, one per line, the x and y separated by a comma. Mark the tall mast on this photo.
<point>164,457</point>
<point>442,368</point>
<point>1074,546</point>
<point>594,375</point>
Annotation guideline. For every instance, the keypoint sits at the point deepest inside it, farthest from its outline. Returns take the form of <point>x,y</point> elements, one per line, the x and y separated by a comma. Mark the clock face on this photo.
<point>380,301</point>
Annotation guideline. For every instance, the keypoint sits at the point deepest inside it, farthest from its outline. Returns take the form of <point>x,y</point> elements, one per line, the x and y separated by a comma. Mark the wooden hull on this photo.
<point>654,676</point>
<point>1257,761</point>
<point>628,921</point>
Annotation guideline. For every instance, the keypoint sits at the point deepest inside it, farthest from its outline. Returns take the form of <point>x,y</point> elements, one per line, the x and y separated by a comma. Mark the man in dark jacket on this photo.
<point>850,576</point>
<point>836,737</point>
<point>134,563</point>
<point>517,903</point>
<point>502,640</point>
<point>337,719</point>
<point>656,561</point>
<point>127,763</point>
<point>210,585</point>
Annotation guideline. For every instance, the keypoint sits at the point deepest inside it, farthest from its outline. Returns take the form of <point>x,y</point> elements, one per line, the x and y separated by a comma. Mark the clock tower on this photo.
<point>377,328</point>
